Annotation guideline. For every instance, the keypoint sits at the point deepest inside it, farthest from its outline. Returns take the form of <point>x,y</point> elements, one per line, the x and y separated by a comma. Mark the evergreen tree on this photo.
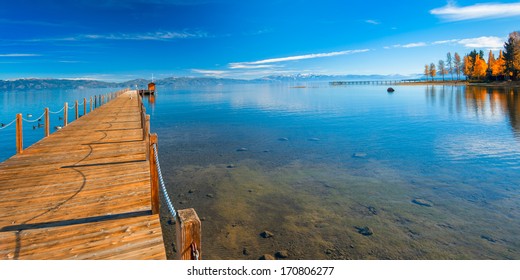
<point>512,56</point>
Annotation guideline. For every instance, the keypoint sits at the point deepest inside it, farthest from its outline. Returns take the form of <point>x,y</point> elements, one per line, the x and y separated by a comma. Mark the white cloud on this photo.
<point>442,42</point>
<point>294,58</point>
<point>414,45</point>
<point>150,36</point>
<point>407,46</point>
<point>371,21</point>
<point>18,55</point>
<point>247,66</point>
<point>212,73</point>
<point>451,12</point>
<point>488,42</point>
<point>483,42</point>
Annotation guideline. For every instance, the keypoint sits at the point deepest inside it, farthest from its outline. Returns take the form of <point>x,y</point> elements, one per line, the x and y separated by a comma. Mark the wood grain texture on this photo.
<point>83,192</point>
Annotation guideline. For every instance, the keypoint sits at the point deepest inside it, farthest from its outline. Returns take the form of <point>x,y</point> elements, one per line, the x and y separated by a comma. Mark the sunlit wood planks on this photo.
<point>83,192</point>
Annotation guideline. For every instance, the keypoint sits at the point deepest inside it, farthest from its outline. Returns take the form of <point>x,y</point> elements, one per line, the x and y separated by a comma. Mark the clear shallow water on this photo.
<point>436,176</point>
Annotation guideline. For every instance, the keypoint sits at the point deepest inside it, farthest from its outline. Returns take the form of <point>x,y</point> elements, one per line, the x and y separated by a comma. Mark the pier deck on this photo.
<point>83,192</point>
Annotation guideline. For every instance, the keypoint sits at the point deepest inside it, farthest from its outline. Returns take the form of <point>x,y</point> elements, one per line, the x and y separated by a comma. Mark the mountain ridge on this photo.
<point>50,83</point>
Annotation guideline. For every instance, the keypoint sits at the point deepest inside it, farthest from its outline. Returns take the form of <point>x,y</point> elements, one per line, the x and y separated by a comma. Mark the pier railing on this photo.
<point>94,102</point>
<point>188,229</point>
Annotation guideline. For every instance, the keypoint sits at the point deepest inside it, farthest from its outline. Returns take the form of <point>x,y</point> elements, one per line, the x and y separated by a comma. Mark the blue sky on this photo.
<point>122,40</point>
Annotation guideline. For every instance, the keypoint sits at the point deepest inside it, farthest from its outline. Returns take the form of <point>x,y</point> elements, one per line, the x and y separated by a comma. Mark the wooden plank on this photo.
<point>129,238</point>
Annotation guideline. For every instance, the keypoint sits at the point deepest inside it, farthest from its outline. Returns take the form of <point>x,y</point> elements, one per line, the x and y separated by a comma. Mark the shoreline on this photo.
<point>506,84</point>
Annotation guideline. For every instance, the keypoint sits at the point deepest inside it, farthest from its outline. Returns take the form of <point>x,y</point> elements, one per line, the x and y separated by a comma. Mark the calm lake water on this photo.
<point>336,172</point>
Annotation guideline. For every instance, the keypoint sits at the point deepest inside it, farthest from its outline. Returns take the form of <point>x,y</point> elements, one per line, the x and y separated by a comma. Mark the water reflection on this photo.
<point>483,103</point>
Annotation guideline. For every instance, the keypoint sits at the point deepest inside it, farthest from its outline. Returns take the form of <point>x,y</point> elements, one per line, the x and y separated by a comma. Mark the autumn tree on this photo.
<point>480,67</point>
<point>499,66</point>
<point>457,65</point>
<point>426,71</point>
<point>433,71</point>
<point>512,55</point>
<point>449,65</point>
<point>442,68</point>
<point>490,64</point>
<point>468,66</point>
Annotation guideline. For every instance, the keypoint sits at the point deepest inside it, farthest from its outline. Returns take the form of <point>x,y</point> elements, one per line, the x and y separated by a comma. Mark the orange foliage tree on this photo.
<point>480,67</point>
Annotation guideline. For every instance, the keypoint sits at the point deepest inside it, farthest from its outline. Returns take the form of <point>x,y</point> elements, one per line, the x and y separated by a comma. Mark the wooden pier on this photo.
<point>88,190</point>
<point>374,82</point>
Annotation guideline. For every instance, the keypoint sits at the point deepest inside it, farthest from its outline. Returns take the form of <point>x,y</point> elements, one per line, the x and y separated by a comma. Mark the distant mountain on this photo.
<point>25,84</point>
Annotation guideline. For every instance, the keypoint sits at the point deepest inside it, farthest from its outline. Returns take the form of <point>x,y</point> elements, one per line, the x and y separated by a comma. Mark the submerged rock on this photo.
<point>313,139</point>
<point>267,257</point>
<point>266,234</point>
<point>210,195</point>
<point>488,238</point>
<point>422,202</point>
<point>390,89</point>
<point>245,252</point>
<point>366,231</point>
<point>372,210</point>
<point>359,155</point>
<point>230,166</point>
<point>283,139</point>
<point>242,150</point>
<point>283,254</point>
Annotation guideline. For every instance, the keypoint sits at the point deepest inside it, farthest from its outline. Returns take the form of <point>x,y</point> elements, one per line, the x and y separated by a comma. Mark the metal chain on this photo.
<point>163,186</point>
<point>35,120</point>
<point>58,111</point>
<point>4,126</point>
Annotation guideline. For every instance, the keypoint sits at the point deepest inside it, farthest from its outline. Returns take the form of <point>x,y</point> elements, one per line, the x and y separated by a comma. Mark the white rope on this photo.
<point>35,120</point>
<point>71,107</point>
<point>4,126</point>
<point>58,111</point>
<point>163,186</point>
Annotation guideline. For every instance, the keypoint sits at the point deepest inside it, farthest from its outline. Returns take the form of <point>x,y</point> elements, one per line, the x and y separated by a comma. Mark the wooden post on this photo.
<point>19,134</point>
<point>90,104</point>
<point>188,232</point>
<point>95,101</point>
<point>47,123</point>
<point>77,110</point>
<point>154,176</point>
<point>65,114</point>
<point>102,99</point>
<point>84,106</point>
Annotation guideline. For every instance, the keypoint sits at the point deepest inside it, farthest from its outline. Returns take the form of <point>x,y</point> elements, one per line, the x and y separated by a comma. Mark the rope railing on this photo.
<point>57,112</point>
<point>166,196</point>
<point>35,120</point>
<point>45,116</point>
<point>4,126</point>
